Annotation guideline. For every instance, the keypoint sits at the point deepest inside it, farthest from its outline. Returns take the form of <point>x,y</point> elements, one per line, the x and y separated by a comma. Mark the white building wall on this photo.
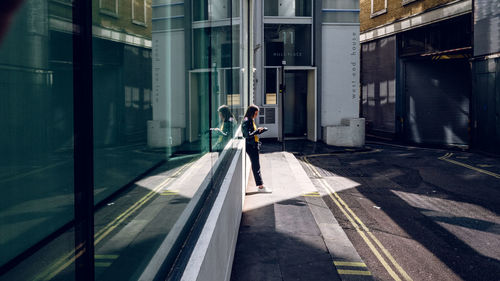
<point>340,74</point>
<point>169,90</point>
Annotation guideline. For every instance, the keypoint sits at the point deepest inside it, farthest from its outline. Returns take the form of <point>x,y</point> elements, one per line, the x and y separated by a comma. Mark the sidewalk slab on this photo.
<point>289,234</point>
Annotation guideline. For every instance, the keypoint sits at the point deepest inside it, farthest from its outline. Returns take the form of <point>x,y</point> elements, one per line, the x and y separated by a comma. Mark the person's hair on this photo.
<point>226,113</point>
<point>251,111</point>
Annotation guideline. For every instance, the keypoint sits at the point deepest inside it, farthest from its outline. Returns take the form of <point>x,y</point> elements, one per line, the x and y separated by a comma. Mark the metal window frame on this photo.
<point>406,2</point>
<point>83,140</point>
<point>377,13</point>
<point>108,12</point>
<point>134,20</point>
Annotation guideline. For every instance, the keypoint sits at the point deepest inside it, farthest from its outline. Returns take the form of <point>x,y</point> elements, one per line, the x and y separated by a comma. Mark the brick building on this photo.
<point>415,70</point>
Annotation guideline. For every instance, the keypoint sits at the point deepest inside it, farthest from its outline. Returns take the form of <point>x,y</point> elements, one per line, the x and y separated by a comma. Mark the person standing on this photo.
<point>251,134</point>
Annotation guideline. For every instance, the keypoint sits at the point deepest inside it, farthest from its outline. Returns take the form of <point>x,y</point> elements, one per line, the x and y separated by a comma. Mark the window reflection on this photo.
<point>288,42</point>
<point>36,120</point>
<point>167,102</point>
<point>288,8</point>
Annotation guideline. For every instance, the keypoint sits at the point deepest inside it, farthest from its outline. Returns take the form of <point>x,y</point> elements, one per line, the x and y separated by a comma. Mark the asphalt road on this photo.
<point>414,213</point>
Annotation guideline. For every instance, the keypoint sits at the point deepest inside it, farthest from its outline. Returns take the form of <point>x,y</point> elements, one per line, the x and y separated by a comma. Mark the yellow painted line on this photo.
<point>170,192</point>
<point>337,153</point>
<point>350,263</point>
<point>117,221</point>
<point>354,272</point>
<point>103,264</point>
<point>106,257</point>
<point>447,156</point>
<point>131,209</point>
<point>65,265</point>
<point>343,207</point>
<point>52,267</point>
<point>363,236</point>
<point>381,246</point>
<point>312,194</point>
<point>108,228</point>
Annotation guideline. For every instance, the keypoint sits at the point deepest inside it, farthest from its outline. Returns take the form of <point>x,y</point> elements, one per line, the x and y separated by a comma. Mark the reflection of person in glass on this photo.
<point>251,132</point>
<point>225,131</point>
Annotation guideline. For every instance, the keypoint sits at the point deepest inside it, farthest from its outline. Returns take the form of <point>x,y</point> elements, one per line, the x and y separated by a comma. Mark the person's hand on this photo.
<point>260,129</point>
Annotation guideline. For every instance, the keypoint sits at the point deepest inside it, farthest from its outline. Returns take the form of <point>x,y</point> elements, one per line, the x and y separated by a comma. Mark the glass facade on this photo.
<point>288,42</point>
<point>335,11</point>
<point>288,8</point>
<point>168,95</point>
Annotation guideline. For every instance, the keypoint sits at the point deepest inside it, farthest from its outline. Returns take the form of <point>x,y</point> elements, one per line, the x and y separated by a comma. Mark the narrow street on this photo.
<point>414,213</point>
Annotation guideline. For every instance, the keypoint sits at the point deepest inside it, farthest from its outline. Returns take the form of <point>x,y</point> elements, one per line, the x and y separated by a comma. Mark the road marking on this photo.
<point>170,193</point>
<point>55,269</point>
<point>117,221</point>
<point>349,263</point>
<point>103,264</point>
<point>65,265</point>
<point>361,230</point>
<point>447,156</point>
<point>354,272</point>
<point>312,194</point>
<point>52,267</point>
<point>337,153</point>
<point>106,257</point>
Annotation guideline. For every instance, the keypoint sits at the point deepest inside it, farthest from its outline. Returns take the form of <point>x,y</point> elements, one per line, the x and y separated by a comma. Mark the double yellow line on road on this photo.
<point>447,157</point>
<point>362,229</point>
<point>69,258</point>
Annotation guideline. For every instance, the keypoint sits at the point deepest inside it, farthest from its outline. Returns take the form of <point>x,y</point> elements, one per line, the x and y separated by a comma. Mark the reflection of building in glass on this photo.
<point>160,71</point>
<point>210,32</point>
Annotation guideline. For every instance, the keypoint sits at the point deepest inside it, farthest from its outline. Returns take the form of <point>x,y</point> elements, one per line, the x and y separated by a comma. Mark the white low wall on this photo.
<point>350,133</point>
<point>213,254</point>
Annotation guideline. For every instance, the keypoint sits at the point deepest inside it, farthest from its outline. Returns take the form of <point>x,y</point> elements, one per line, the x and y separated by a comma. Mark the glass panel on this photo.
<point>36,144</point>
<point>160,124</point>
<point>295,101</point>
<point>271,95</point>
<point>288,8</point>
<point>344,4</point>
<point>200,10</point>
<point>288,42</point>
<point>219,9</point>
<point>155,98</point>
<point>341,17</point>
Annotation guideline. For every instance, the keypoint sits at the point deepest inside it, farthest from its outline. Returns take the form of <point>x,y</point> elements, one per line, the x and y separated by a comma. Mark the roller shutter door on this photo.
<point>437,101</point>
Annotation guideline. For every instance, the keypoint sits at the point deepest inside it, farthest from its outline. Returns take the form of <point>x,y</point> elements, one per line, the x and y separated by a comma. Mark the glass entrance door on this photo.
<point>295,103</point>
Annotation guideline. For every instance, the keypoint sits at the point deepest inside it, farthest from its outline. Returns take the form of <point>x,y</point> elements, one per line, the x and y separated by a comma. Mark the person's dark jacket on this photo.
<point>224,135</point>
<point>248,131</point>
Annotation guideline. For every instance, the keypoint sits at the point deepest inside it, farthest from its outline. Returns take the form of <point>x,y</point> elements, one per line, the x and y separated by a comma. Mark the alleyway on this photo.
<point>411,213</point>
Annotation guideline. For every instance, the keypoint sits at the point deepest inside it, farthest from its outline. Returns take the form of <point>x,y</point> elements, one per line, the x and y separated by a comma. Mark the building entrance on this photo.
<point>298,103</point>
<point>295,101</point>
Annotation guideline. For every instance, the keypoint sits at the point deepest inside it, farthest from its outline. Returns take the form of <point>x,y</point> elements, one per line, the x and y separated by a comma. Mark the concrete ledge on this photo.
<point>350,133</point>
<point>213,254</point>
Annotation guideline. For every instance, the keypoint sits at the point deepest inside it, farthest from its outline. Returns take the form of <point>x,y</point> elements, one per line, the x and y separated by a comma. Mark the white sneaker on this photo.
<point>265,189</point>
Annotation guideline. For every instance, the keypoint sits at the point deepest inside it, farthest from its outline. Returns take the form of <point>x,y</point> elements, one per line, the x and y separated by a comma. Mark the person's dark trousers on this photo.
<point>253,153</point>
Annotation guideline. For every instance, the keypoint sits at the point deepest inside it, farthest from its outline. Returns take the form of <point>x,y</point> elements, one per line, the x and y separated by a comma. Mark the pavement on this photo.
<point>291,234</point>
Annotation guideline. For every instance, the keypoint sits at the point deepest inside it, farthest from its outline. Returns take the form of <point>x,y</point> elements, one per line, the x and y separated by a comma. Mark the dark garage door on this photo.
<point>437,101</point>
